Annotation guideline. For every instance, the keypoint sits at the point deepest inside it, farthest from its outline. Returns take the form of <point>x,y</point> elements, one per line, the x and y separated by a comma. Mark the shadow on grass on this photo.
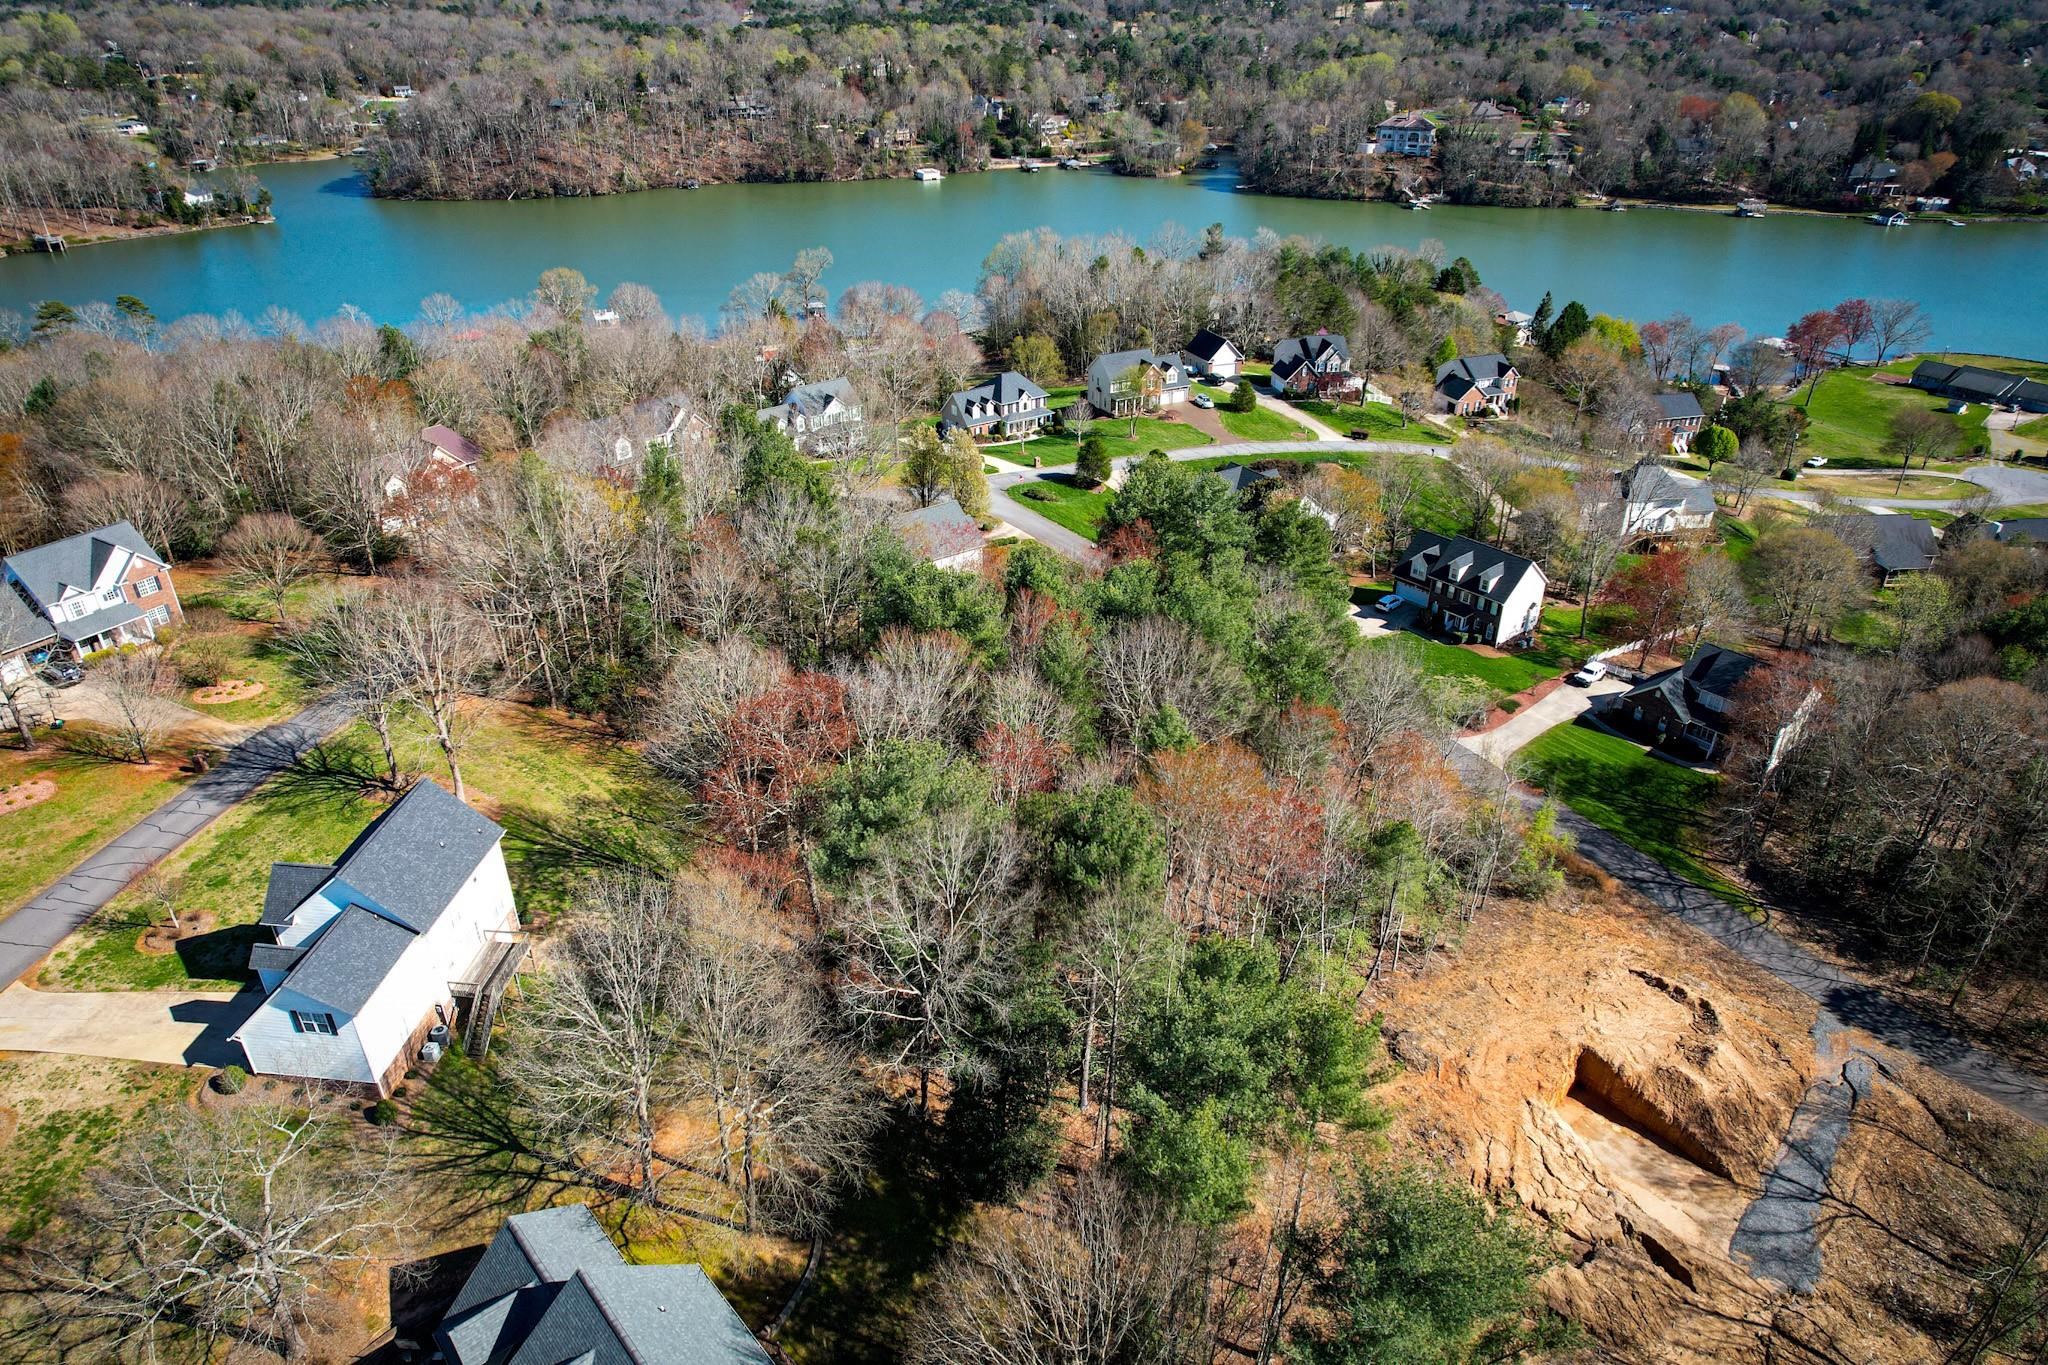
<point>220,954</point>
<point>324,772</point>
<point>464,1134</point>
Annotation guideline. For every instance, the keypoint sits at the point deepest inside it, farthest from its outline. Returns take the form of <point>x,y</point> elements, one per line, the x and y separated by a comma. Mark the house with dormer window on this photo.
<point>822,418</point>
<point>1470,590</point>
<point>1315,367</point>
<point>98,589</point>
<point>1008,405</point>
<point>1126,382</point>
<point>360,959</point>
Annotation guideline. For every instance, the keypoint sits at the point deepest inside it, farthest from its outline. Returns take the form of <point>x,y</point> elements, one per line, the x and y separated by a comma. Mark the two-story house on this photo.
<point>1686,708</point>
<point>1473,384</point>
<point>362,958</point>
<point>1008,405</point>
<point>1469,589</point>
<point>821,418</point>
<point>1679,419</point>
<point>1314,367</point>
<point>97,589</point>
<point>26,638</point>
<point>1214,355</point>
<point>1657,502</point>
<point>1126,382</point>
<point>1408,134</point>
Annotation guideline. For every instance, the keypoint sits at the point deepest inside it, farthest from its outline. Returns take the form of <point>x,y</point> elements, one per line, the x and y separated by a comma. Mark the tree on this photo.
<point>443,652</point>
<point>1422,1270</point>
<point>270,553</point>
<point>1572,324</point>
<point>1037,357</point>
<point>1918,434</point>
<point>1813,340</point>
<point>137,685</point>
<point>965,475</point>
<point>925,466</point>
<point>350,650</point>
<point>1715,598</point>
<point>231,1224</point>
<point>1896,324</point>
<point>1716,445</point>
<point>1653,589</point>
<point>1104,1276</point>
<point>1806,577</point>
<point>1350,502</point>
<point>1092,465</point>
<point>1244,398</point>
<point>565,293</point>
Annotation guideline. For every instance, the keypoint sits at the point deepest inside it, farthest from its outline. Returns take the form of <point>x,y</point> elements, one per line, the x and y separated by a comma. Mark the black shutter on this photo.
<point>297,1027</point>
<point>330,1024</point>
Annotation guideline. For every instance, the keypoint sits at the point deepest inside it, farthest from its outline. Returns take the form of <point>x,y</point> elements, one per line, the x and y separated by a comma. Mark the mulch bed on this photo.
<point>158,940</point>
<point>22,795</point>
<point>221,693</point>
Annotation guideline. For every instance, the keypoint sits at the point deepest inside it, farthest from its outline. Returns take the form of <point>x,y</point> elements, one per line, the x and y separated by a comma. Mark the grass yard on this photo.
<point>1379,420</point>
<point>1505,674</point>
<point>2018,511</point>
<point>2035,429</point>
<point>1078,509</point>
<point>1261,424</point>
<point>1884,486</point>
<point>570,802</point>
<point>1850,419</point>
<point>1153,433</point>
<point>1649,804</point>
<point>96,799</point>
<point>251,655</point>
<point>69,1111</point>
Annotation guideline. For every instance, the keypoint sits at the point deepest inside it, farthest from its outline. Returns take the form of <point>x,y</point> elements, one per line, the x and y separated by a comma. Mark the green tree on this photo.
<point>54,315</point>
<point>769,459</point>
<point>1188,512</point>
<point>924,465</point>
<point>398,355</point>
<point>1446,351</point>
<point>1422,1272</point>
<point>1716,445</point>
<point>872,797</point>
<point>1037,357</point>
<point>1092,464</point>
<point>1244,398</point>
<point>966,477</point>
<point>134,308</point>
<point>1574,322</point>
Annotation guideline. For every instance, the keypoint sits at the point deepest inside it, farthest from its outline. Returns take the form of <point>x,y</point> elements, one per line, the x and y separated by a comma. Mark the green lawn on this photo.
<point>1261,424</point>
<point>570,802</point>
<point>95,800</point>
<point>1116,432</point>
<point>2018,511</point>
<point>1078,509</point>
<point>252,656</point>
<point>1850,419</point>
<point>1378,419</point>
<point>1506,674</point>
<point>1650,804</point>
<point>2035,430</point>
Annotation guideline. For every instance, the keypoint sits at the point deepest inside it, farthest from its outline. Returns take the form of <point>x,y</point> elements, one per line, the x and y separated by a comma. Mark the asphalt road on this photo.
<point>28,935</point>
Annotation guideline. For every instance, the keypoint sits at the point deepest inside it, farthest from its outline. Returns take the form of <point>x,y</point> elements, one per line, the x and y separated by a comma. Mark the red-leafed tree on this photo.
<point>780,744</point>
<point>1020,759</point>
<point>1856,322</point>
<point>1134,541</point>
<point>1654,591</point>
<point>1236,842</point>
<point>1813,340</point>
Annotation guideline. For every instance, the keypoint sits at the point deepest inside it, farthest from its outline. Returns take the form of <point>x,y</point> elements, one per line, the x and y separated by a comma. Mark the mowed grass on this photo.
<point>254,656</point>
<point>570,802</point>
<point>1507,673</point>
<point>1383,422</point>
<point>1067,504</point>
<point>1261,424</point>
<point>70,1112</point>
<point>96,799</point>
<point>1654,806</point>
<point>1916,485</point>
<point>1849,419</point>
<point>1153,433</point>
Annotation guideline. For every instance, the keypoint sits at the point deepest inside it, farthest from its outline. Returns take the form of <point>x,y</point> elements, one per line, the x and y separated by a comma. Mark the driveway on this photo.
<point>1563,706</point>
<point>1316,426</point>
<point>176,1028</point>
<point>1373,624</point>
<point>28,935</point>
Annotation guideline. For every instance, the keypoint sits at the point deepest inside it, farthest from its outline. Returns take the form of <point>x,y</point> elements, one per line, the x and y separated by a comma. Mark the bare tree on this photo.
<point>443,652</point>
<point>1896,325</point>
<point>1104,1277</point>
<point>913,686</point>
<point>231,1225</point>
<point>929,935</point>
<point>1918,434</point>
<point>270,553</point>
<point>137,686</point>
<point>14,695</point>
<point>351,647</point>
<point>1144,666</point>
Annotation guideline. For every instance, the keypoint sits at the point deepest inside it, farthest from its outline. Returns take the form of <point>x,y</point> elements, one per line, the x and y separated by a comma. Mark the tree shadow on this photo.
<point>466,1138</point>
<point>323,773</point>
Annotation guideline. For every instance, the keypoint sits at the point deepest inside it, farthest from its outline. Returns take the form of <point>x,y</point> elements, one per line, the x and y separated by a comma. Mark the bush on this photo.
<point>1038,492</point>
<point>1093,464</point>
<point>201,662</point>
<point>383,1113</point>
<point>1245,398</point>
<point>229,1080</point>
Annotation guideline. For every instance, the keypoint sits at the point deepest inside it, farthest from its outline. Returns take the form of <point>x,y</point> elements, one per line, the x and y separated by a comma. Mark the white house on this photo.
<point>1522,323</point>
<point>1660,502</point>
<point>365,956</point>
<point>818,417</point>
<point>1124,382</point>
<point>1212,354</point>
<point>97,589</point>
<point>132,127</point>
<point>942,534</point>
<point>1009,405</point>
<point>1470,589</point>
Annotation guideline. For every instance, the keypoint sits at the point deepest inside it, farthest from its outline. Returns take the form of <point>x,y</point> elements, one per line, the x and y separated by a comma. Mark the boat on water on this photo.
<point>929,174</point>
<point>1750,208</point>
<point>691,183</point>
<point>1890,220</point>
<point>1029,167</point>
<point>1418,205</point>
<point>1616,206</point>
<point>1957,222</point>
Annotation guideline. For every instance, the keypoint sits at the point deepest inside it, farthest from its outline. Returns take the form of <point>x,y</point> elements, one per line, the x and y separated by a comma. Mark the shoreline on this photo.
<point>104,235</point>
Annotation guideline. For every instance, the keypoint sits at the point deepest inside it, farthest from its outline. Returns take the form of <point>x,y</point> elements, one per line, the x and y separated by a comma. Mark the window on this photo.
<point>147,587</point>
<point>312,1023</point>
<point>159,616</point>
<point>111,595</point>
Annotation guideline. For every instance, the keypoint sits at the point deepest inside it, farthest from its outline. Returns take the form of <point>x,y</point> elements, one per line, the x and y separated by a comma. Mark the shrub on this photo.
<point>383,1113</point>
<point>201,662</point>
<point>229,1080</point>
<point>1038,492</point>
<point>1245,398</point>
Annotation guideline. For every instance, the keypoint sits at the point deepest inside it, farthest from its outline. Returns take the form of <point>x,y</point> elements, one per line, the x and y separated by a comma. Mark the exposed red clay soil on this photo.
<point>234,689</point>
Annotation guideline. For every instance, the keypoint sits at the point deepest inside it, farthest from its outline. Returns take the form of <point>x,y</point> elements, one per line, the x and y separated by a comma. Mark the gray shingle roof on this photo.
<point>1896,544</point>
<point>1290,355</point>
<point>290,884</point>
<point>939,531</point>
<point>413,858</point>
<point>2033,528</point>
<point>1238,477</point>
<point>106,618</point>
<point>552,1289</point>
<point>981,403</point>
<point>1106,368</point>
<point>349,960</point>
<point>76,561</point>
<point>20,625</point>
<point>273,957</point>
<point>1712,669</point>
<point>1649,482</point>
<point>1679,405</point>
<point>1484,372</point>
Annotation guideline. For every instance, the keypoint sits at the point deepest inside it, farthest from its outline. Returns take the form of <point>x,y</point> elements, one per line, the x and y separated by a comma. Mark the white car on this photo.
<point>1592,672</point>
<point>1391,601</point>
<point>1817,462</point>
<point>1203,400</point>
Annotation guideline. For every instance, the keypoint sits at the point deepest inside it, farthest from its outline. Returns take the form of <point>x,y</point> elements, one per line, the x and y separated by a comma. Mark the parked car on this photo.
<point>1817,462</point>
<point>1390,601</point>
<point>61,673</point>
<point>1203,400</point>
<point>1593,671</point>
<point>1360,434</point>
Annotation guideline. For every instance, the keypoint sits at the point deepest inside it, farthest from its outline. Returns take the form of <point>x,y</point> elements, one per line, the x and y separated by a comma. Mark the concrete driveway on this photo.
<point>177,1028</point>
<point>1373,623</point>
<point>1561,707</point>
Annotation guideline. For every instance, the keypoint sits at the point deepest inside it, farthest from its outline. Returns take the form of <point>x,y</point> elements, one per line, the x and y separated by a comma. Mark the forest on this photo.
<point>583,98</point>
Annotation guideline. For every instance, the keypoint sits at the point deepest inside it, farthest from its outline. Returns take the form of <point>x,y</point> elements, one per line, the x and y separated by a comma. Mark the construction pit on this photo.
<point>1729,1175</point>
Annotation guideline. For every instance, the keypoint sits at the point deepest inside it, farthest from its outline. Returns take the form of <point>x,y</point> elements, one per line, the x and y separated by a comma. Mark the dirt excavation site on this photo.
<point>1725,1185</point>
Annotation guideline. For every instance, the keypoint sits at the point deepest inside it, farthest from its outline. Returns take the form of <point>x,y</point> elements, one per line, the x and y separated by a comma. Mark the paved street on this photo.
<point>29,934</point>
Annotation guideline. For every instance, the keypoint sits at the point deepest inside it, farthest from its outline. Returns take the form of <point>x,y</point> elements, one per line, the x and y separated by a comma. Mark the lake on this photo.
<point>1985,286</point>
